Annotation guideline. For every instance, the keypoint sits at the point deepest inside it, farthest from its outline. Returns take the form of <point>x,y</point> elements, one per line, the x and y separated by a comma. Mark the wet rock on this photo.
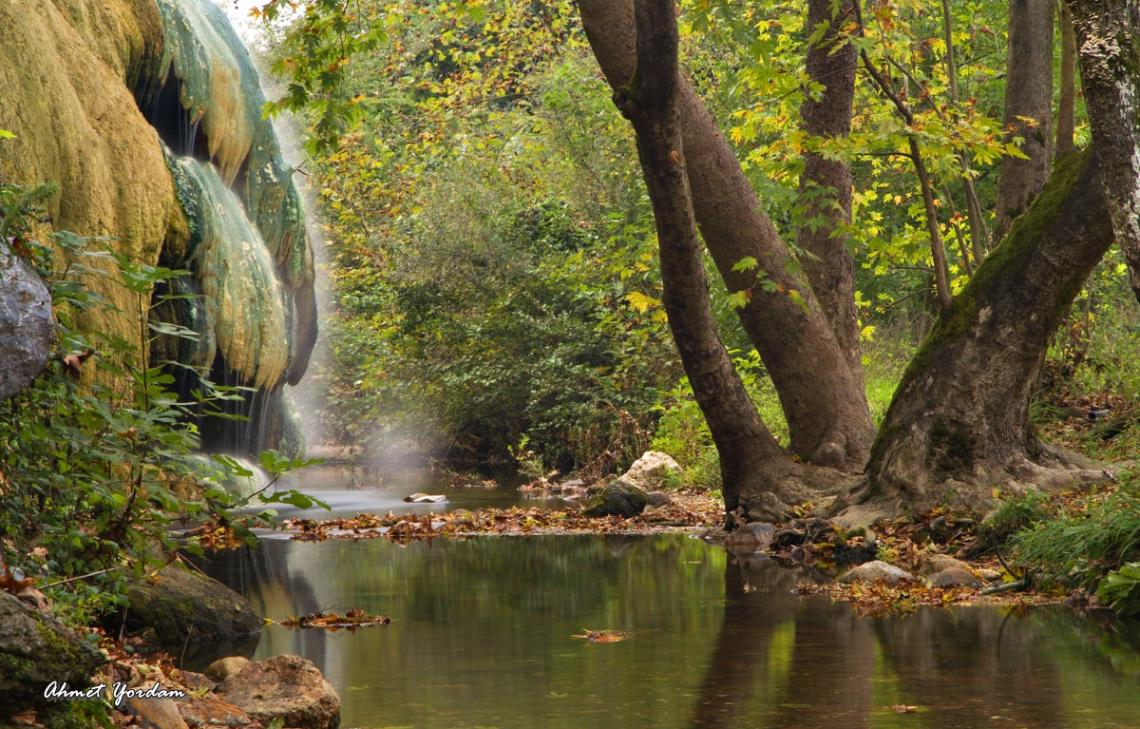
<point>27,325</point>
<point>953,577</point>
<point>155,713</point>
<point>36,649</point>
<point>938,562</point>
<point>285,688</point>
<point>179,604</point>
<point>876,571</point>
<point>752,537</point>
<point>658,498</point>
<point>651,471</point>
<point>223,668</point>
<point>617,498</point>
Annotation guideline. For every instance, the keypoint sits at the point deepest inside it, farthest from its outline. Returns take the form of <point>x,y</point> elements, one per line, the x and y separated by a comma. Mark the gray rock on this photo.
<point>953,577</point>
<point>288,688</point>
<point>875,572</point>
<point>36,649</point>
<point>658,498</point>
<point>186,608</point>
<point>651,471</point>
<point>27,325</point>
<point>617,498</point>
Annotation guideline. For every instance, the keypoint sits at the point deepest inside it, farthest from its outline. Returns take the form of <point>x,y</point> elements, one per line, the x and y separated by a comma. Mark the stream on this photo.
<point>482,635</point>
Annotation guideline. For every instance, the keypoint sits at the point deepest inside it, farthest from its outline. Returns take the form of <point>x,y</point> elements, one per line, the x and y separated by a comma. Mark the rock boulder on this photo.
<point>179,604</point>
<point>876,571</point>
<point>651,471</point>
<point>286,688</point>
<point>27,325</point>
<point>617,498</point>
<point>36,649</point>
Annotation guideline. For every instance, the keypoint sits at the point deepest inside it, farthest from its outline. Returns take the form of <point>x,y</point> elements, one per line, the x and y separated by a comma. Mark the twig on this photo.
<point>81,577</point>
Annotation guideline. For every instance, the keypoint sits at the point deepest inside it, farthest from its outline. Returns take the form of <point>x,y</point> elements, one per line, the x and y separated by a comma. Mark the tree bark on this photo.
<point>1108,35</point>
<point>1067,104</point>
<point>749,456</point>
<point>1028,95</point>
<point>959,422</point>
<point>824,401</point>
<point>825,183</point>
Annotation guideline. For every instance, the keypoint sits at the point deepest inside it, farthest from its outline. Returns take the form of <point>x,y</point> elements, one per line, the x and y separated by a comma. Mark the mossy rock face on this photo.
<point>186,609</point>
<point>36,649</point>
<point>618,498</point>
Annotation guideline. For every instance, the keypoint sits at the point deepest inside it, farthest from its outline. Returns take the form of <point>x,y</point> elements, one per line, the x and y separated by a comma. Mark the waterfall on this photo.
<point>248,252</point>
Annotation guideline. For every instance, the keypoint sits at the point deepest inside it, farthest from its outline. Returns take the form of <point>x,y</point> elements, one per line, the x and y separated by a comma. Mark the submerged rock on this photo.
<point>36,649</point>
<point>180,605</point>
<point>651,471</point>
<point>617,498</point>
<point>286,688</point>
<point>876,571</point>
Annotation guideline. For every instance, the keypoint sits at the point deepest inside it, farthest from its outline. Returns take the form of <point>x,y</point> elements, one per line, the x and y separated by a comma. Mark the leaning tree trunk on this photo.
<point>824,402</point>
<point>959,422</point>
<point>825,183</point>
<point>1028,95</point>
<point>749,456</point>
<point>1108,35</point>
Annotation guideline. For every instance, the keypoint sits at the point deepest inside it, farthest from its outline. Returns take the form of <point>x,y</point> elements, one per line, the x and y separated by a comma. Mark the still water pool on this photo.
<point>482,636</point>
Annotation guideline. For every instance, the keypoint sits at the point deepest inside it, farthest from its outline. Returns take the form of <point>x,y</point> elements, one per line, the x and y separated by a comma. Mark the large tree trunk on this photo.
<point>825,183</point>
<point>1028,95</point>
<point>959,422</point>
<point>821,396</point>
<point>749,456</point>
<point>1108,34</point>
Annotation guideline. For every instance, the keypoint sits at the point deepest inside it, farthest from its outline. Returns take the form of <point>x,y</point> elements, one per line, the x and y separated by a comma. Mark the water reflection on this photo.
<point>377,489</point>
<point>482,636</point>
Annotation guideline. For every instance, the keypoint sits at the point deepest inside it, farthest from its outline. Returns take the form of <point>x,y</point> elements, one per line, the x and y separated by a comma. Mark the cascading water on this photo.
<point>248,253</point>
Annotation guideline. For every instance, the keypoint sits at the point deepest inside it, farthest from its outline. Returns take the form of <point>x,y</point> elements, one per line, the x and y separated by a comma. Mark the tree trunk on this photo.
<point>825,183</point>
<point>959,422</point>
<point>1067,104</point>
<point>1028,95</point>
<point>824,402</point>
<point>1108,34</point>
<point>749,454</point>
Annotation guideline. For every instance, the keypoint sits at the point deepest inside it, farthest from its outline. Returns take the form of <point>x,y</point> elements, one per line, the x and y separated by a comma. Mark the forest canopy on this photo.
<point>832,245</point>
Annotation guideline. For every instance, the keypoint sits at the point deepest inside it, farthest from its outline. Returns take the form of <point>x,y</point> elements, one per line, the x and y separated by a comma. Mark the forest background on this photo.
<point>493,255</point>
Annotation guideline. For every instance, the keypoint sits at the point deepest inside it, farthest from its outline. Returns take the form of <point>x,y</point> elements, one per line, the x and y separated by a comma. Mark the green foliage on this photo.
<point>1016,514</point>
<point>1078,548</point>
<point>1120,589</point>
<point>97,458</point>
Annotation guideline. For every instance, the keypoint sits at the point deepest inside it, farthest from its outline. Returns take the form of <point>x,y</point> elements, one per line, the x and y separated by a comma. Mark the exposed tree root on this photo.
<point>1055,470</point>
